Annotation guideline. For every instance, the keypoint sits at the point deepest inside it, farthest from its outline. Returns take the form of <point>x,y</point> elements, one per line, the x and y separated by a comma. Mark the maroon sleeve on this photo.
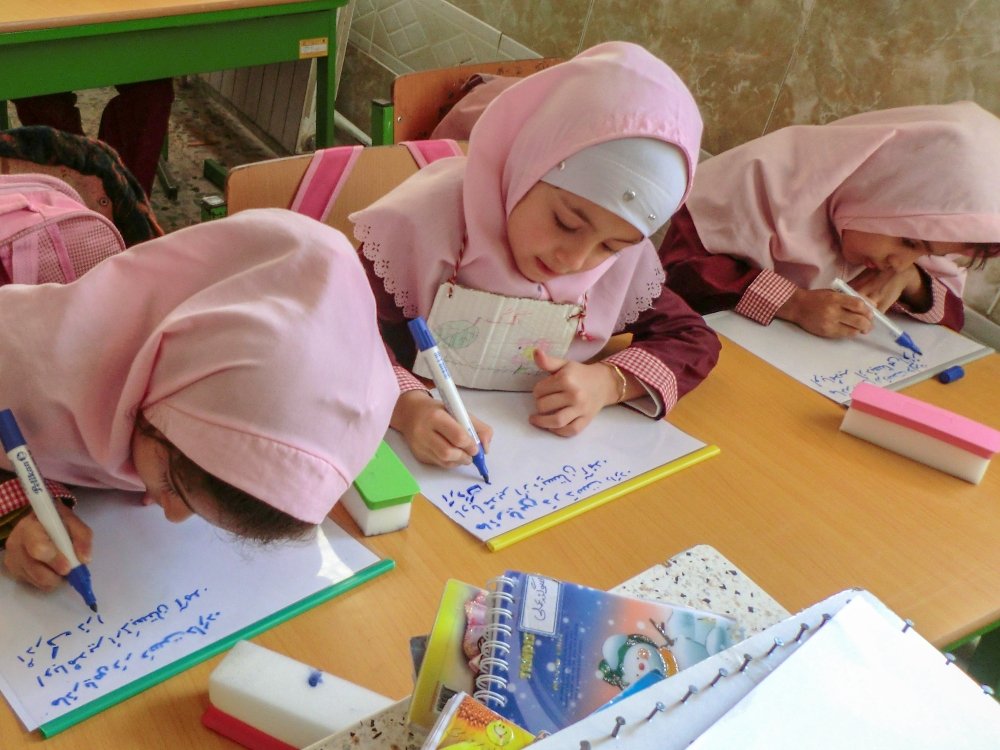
<point>391,321</point>
<point>954,311</point>
<point>705,281</point>
<point>679,337</point>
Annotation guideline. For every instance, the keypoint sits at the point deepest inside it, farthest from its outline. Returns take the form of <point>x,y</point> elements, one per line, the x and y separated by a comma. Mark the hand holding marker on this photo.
<point>446,387</point>
<point>902,337</point>
<point>42,503</point>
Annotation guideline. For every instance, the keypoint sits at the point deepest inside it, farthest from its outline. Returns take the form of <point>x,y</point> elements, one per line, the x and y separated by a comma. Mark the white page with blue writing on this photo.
<point>163,591</point>
<point>534,472</point>
<point>833,367</point>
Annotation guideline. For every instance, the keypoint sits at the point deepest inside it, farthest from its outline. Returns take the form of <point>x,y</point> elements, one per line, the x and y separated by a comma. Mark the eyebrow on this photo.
<point>583,215</point>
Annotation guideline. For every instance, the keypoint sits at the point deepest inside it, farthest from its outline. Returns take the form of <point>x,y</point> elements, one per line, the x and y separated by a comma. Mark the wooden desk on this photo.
<point>48,46</point>
<point>800,507</point>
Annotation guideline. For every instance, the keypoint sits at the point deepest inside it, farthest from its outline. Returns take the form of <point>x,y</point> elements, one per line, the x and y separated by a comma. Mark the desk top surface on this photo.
<point>801,508</point>
<point>18,15</point>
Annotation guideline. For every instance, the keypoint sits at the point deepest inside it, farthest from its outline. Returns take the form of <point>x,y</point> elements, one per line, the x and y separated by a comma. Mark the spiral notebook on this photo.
<point>553,652</point>
<point>844,674</point>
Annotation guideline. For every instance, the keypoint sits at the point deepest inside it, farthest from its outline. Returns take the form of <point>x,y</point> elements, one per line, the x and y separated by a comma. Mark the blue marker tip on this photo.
<point>480,462</point>
<point>315,678</point>
<point>905,340</point>
<point>79,579</point>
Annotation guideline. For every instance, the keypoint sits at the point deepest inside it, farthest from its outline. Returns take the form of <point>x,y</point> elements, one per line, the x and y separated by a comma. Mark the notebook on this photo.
<point>466,724</point>
<point>444,669</point>
<point>554,651</point>
<point>540,479</point>
<point>169,596</point>
<point>833,367</point>
<point>844,674</point>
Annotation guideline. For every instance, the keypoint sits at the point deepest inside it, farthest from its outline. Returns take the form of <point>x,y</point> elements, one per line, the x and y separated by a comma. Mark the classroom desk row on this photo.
<point>803,509</point>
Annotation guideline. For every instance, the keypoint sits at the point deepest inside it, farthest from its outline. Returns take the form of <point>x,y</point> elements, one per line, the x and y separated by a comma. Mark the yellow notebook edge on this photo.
<point>501,541</point>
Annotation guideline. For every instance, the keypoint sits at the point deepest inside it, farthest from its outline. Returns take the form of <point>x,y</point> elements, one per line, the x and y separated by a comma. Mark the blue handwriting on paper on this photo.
<point>840,383</point>
<point>74,664</point>
<point>499,508</point>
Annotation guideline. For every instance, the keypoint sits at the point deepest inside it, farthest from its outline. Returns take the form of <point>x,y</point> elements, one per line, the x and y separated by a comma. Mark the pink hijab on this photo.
<point>459,206</point>
<point>249,342</point>
<point>783,201</point>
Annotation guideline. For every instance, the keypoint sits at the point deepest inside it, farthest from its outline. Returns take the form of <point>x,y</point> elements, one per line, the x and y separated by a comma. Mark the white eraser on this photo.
<point>934,436</point>
<point>381,497</point>
<point>285,699</point>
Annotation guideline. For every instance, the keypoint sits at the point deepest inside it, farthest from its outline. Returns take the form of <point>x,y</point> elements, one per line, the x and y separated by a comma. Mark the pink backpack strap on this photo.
<point>425,152</point>
<point>324,179</point>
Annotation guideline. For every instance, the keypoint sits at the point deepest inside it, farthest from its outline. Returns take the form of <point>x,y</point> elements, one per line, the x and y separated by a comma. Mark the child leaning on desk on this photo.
<point>886,200</point>
<point>215,369</point>
<point>568,173</point>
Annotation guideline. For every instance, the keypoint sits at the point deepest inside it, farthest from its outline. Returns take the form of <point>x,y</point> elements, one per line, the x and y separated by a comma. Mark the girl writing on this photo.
<point>215,369</point>
<point>887,200</point>
<point>543,227</point>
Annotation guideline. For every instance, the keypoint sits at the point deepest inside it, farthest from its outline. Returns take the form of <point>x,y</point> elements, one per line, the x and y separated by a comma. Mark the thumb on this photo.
<point>547,362</point>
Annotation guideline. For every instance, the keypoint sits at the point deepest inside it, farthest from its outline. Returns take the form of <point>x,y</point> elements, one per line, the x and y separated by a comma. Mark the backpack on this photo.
<point>47,234</point>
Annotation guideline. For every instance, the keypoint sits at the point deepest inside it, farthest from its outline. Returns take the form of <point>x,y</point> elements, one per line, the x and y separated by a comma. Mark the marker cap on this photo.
<point>421,334</point>
<point>951,374</point>
<point>10,433</point>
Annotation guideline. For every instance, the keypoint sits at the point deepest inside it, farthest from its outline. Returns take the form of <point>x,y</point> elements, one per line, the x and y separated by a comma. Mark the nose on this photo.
<point>572,257</point>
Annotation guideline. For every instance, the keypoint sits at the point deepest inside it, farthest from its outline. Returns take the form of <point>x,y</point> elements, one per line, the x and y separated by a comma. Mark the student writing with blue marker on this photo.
<point>213,370</point>
<point>896,202</point>
<point>568,173</point>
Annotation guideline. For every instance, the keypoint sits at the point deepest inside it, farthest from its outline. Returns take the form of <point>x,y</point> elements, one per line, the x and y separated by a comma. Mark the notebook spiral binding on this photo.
<point>496,642</point>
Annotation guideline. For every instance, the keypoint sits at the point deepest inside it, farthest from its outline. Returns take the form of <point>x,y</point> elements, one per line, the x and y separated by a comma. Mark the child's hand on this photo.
<point>884,288</point>
<point>433,434</point>
<point>572,394</point>
<point>824,312</point>
<point>31,556</point>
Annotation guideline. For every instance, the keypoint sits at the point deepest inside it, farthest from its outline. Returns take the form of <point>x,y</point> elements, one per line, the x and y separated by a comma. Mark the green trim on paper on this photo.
<point>134,688</point>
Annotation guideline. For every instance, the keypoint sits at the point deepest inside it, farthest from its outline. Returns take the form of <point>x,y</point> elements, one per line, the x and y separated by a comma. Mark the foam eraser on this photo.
<point>267,701</point>
<point>381,497</point>
<point>951,374</point>
<point>934,436</point>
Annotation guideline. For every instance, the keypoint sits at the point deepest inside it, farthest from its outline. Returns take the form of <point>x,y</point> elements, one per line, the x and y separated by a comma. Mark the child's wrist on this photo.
<point>619,383</point>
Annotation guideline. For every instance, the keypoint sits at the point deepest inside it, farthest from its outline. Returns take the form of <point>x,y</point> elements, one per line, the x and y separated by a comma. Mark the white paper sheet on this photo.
<point>164,591</point>
<point>861,683</point>
<point>534,472</point>
<point>834,366</point>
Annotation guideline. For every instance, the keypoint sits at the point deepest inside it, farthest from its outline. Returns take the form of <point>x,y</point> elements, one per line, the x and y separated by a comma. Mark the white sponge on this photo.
<point>381,497</point>
<point>929,434</point>
<point>263,699</point>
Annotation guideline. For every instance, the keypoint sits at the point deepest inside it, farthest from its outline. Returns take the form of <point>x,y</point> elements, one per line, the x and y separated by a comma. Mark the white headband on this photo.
<point>641,180</point>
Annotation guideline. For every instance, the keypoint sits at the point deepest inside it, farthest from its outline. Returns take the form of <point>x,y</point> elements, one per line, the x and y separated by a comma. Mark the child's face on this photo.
<point>553,232</point>
<point>885,253</point>
<point>152,464</point>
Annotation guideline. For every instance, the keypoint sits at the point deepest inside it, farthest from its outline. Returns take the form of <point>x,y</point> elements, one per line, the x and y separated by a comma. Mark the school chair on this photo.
<point>421,99</point>
<point>273,183</point>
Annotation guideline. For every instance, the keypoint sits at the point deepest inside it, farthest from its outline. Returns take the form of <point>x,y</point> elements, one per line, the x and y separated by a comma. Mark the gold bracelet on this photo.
<point>622,382</point>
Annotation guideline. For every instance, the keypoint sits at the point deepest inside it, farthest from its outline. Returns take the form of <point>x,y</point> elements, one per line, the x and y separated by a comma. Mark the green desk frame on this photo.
<point>69,58</point>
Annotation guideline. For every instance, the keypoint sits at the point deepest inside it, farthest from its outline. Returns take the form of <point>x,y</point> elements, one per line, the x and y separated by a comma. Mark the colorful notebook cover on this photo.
<point>444,669</point>
<point>466,724</point>
<point>554,652</point>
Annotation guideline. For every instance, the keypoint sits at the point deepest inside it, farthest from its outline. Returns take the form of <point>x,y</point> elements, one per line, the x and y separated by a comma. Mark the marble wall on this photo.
<point>753,65</point>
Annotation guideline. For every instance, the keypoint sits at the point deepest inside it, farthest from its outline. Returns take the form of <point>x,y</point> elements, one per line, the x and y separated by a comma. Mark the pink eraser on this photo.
<point>937,437</point>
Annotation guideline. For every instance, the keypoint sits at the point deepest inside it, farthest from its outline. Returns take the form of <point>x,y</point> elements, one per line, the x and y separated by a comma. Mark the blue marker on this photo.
<point>446,387</point>
<point>43,504</point>
<point>902,337</point>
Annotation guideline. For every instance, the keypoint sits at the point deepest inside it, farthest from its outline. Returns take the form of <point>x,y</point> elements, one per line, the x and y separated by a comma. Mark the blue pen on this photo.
<point>42,503</point>
<point>446,387</point>
<point>902,337</point>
